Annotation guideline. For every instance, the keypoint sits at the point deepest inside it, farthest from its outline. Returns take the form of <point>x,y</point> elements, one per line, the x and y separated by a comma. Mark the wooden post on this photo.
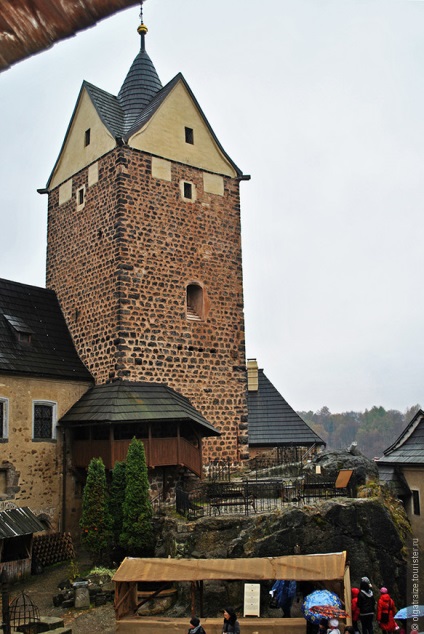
<point>193,598</point>
<point>201,599</point>
<point>5,602</point>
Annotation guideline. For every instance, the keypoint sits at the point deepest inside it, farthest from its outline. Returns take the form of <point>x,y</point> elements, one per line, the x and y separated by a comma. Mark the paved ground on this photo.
<point>42,588</point>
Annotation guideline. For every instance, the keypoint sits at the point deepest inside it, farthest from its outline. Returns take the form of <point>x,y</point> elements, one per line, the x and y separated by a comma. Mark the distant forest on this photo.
<point>373,430</point>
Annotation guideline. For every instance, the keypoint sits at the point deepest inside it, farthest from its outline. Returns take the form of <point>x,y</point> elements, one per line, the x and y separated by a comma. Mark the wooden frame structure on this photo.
<point>328,568</point>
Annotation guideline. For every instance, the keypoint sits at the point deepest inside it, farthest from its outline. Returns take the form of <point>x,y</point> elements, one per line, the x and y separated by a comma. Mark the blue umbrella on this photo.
<point>410,612</point>
<point>319,597</point>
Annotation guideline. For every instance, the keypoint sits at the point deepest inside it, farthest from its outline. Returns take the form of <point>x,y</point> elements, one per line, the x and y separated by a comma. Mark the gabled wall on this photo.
<point>164,136</point>
<point>75,155</point>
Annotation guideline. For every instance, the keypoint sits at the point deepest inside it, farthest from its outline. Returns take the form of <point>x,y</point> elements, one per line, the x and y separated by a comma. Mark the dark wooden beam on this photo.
<point>31,26</point>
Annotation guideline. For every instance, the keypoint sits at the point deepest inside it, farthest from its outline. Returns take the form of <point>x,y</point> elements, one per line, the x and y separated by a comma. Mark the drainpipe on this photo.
<point>64,481</point>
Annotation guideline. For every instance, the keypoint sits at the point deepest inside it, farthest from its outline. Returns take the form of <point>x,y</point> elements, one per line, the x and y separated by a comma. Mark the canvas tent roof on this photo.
<point>328,566</point>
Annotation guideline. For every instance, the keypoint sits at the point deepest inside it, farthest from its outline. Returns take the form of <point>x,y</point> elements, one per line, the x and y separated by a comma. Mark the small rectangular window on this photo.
<point>80,196</point>
<point>44,424</point>
<point>188,192</point>
<point>416,502</point>
<point>87,137</point>
<point>189,136</point>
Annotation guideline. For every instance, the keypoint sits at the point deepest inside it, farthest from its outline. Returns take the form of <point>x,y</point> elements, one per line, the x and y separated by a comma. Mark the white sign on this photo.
<point>252,599</point>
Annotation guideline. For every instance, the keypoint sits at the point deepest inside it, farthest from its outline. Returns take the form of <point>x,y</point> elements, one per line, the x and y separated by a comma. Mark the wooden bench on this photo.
<point>235,498</point>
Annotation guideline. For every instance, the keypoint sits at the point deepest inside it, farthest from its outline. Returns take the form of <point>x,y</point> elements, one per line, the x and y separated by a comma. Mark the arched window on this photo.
<point>194,302</point>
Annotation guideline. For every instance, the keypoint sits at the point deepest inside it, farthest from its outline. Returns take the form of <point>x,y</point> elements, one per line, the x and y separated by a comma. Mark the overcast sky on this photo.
<point>322,103</point>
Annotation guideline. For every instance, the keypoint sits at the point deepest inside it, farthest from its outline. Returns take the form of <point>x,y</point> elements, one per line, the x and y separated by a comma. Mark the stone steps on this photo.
<point>45,624</point>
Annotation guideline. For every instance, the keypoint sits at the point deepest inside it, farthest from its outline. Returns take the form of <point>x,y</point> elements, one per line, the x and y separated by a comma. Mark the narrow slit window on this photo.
<point>3,418</point>
<point>87,137</point>
<point>189,135</point>
<point>188,190</point>
<point>416,503</point>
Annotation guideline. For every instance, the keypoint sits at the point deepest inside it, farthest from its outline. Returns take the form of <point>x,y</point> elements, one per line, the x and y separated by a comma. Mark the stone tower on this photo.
<point>144,246</point>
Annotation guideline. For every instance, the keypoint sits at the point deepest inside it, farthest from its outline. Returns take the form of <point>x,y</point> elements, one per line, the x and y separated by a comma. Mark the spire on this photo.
<point>142,82</point>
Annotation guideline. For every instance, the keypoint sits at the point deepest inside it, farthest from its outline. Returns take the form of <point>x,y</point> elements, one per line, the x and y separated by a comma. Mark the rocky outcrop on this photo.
<point>331,462</point>
<point>364,528</point>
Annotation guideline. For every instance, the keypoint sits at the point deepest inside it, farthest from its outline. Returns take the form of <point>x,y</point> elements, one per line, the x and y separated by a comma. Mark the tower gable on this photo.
<point>178,131</point>
<point>86,139</point>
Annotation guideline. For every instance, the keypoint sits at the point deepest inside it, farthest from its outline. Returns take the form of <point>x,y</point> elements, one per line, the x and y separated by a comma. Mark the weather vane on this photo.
<point>142,29</point>
<point>141,10</point>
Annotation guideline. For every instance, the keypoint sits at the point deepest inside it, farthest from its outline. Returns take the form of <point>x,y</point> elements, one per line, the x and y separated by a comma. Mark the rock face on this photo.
<point>362,527</point>
<point>332,461</point>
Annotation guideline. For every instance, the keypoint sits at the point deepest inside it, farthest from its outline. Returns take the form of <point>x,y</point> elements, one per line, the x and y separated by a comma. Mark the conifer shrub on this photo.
<point>95,523</point>
<point>137,537</point>
<point>116,499</point>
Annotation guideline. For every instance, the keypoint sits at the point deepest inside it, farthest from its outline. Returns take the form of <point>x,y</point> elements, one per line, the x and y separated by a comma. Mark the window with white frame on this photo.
<point>4,416</point>
<point>44,420</point>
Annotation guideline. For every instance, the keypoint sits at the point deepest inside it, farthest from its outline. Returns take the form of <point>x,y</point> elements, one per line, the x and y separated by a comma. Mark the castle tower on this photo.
<point>144,247</point>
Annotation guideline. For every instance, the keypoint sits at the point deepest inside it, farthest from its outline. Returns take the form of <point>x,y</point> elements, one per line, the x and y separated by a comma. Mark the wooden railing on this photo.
<point>160,452</point>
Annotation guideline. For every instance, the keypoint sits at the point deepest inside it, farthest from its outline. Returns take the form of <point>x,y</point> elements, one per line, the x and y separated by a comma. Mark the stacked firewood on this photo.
<point>51,548</point>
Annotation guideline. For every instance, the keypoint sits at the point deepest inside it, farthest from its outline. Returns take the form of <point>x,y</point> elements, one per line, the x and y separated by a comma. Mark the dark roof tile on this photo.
<point>133,401</point>
<point>48,350</point>
<point>273,422</point>
<point>20,521</point>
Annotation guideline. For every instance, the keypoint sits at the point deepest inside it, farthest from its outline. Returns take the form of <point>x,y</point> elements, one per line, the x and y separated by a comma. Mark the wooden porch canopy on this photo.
<point>173,428</point>
<point>328,566</point>
<point>324,567</point>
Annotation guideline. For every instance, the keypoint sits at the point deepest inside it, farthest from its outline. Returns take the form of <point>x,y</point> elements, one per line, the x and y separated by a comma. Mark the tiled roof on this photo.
<point>20,521</point>
<point>47,348</point>
<point>132,401</point>
<point>409,447</point>
<point>273,422</point>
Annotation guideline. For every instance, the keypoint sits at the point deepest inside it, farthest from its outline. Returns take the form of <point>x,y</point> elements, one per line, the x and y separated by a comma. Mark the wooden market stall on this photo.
<point>329,569</point>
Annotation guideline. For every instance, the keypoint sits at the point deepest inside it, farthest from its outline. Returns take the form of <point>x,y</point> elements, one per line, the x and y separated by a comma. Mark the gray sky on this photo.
<point>322,102</point>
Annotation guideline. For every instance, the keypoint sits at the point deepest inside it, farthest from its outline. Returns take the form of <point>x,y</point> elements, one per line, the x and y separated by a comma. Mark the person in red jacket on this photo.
<point>386,611</point>
<point>355,609</point>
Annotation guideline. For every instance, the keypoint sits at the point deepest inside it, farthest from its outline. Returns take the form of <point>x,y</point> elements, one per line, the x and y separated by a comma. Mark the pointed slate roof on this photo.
<point>273,422</point>
<point>141,84</point>
<point>133,401</point>
<point>34,338</point>
<point>409,447</point>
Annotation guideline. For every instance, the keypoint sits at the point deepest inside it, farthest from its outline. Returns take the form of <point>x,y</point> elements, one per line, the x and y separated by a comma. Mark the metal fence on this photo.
<point>245,497</point>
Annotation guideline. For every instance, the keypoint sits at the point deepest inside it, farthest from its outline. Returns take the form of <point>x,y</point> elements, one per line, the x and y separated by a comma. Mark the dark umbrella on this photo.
<point>329,611</point>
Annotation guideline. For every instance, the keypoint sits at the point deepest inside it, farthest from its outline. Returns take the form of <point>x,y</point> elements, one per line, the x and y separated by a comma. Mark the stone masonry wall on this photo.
<point>34,468</point>
<point>120,267</point>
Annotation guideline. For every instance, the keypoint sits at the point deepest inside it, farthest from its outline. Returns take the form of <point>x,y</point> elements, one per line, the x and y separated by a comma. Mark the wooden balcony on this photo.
<point>160,452</point>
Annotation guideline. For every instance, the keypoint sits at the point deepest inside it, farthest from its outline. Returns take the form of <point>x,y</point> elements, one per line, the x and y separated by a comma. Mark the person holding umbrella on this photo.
<point>366,605</point>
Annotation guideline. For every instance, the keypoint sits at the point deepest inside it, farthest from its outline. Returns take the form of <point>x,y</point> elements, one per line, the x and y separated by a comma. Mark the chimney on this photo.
<point>252,375</point>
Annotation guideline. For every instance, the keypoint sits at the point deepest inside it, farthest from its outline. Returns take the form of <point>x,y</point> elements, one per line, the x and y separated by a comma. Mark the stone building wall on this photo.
<point>120,265</point>
<point>32,469</point>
